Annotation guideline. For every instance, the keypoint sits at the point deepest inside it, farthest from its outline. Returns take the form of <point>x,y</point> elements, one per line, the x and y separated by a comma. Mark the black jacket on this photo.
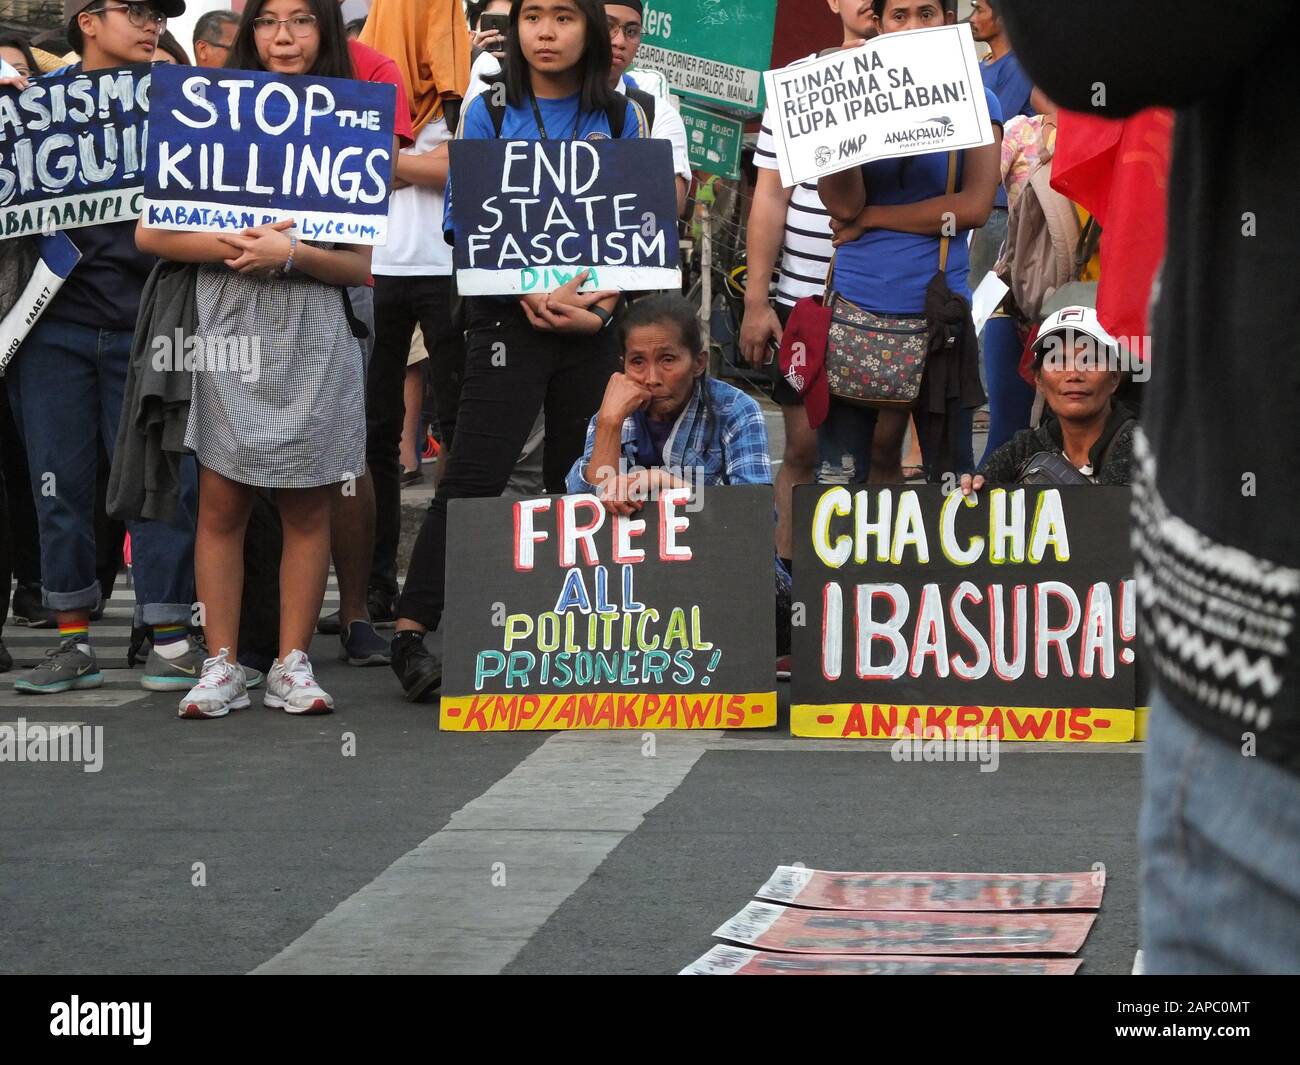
<point>145,479</point>
<point>1111,456</point>
<point>1219,446</point>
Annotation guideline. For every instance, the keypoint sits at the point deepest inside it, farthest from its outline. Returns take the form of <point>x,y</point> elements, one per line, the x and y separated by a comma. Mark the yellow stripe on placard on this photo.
<point>607,710</point>
<point>882,721</point>
<point>1140,722</point>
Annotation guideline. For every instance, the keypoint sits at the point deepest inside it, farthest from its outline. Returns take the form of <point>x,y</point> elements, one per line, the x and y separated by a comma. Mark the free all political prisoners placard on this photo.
<point>1009,613</point>
<point>899,94</point>
<point>229,150</point>
<point>72,150</point>
<point>563,617</point>
<point>529,215</point>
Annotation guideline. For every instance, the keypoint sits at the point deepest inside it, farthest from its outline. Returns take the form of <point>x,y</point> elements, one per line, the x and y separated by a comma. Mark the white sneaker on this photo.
<point>291,687</point>
<point>220,689</point>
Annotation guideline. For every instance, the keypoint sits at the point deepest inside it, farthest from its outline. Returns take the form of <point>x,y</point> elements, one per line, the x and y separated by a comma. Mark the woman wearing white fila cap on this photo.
<point>1076,366</point>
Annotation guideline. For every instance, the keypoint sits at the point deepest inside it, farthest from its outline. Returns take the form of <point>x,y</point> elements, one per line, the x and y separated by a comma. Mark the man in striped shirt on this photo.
<point>790,224</point>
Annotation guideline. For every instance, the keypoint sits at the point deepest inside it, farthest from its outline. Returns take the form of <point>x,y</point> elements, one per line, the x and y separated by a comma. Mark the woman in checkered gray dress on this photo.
<point>288,414</point>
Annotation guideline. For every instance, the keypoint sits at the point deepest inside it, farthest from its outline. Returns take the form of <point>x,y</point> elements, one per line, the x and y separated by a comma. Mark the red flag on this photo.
<point>1118,171</point>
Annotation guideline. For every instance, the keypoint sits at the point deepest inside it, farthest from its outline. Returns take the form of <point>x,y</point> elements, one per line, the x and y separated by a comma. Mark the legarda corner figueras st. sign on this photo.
<point>713,51</point>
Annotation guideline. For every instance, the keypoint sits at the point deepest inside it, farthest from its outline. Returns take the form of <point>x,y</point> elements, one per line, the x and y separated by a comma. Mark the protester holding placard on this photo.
<point>550,351</point>
<point>424,45</point>
<point>895,222</point>
<point>1074,367</point>
<point>789,228</point>
<point>297,424</point>
<point>66,384</point>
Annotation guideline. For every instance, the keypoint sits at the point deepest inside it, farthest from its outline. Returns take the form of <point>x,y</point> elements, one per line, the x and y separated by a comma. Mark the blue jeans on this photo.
<point>1220,841</point>
<point>1011,400</point>
<point>844,444</point>
<point>66,383</point>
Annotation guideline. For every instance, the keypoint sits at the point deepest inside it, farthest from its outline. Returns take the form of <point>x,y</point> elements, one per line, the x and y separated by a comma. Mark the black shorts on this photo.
<point>782,391</point>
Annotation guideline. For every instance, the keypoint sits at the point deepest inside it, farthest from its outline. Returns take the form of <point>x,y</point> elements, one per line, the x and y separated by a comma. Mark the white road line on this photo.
<point>69,700</point>
<point>549,824</point>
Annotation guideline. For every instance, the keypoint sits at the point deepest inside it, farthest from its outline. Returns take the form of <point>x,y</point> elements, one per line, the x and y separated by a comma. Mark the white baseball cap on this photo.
<point>1073,321</point>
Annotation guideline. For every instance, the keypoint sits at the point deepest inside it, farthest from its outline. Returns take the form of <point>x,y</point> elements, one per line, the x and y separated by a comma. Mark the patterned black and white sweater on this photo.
<point>1217,530</point>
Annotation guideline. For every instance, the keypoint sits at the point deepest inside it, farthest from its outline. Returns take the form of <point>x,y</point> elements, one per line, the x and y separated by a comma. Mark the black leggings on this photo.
<point>511,372</point>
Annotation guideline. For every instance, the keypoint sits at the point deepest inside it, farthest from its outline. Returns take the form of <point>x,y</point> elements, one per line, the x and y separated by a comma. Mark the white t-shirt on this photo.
<point>414,213</point>
<point>806,253</point>
<point>668,124</point>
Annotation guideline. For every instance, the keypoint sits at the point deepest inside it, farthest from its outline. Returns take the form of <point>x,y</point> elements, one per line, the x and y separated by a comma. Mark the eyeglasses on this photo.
<point>631,31</point>
<point>139,15</point>
<point>299,25</point>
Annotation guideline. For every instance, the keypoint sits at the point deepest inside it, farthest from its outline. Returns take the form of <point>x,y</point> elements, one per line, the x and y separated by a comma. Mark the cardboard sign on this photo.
<point>769,927</point>
<point>821,890</point>
<point>58,255</point>
<point>566,618</point>
<point>906,93</point>
<point>723,960</point>
<point>1005,614</point>
<point>72,150</point>
<point>529,215</point>
<point>229,150</point>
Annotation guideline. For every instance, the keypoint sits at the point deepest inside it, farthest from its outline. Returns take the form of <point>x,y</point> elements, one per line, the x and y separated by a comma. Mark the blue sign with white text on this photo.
<point>232,149</point>
<point>530,215</point>
<point>72,150</point>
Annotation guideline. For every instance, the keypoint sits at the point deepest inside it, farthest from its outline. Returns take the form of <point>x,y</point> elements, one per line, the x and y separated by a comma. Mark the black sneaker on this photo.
<point>382,608</point>
<point>419,670</point>
<point>329,624</point>
<point>27,608</point>
<point>6,659</point>
<point>362,646</point>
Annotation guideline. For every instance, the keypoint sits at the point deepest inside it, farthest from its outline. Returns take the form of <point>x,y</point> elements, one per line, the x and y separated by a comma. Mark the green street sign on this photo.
<point>713,51</point>
<point>714,141</point>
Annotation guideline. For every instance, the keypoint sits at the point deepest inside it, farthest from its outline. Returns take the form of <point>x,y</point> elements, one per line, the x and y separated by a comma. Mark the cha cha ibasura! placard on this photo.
<point>1009,614</point>
<point>530,215</point>
<point>234,149</point>
<point>561,616</point>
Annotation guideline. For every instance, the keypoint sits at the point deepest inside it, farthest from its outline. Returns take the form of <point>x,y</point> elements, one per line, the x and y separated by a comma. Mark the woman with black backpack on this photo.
<point>554,350</point>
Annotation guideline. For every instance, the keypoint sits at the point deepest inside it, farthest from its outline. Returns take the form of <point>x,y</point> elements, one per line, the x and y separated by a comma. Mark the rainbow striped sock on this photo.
<point>165,634</point>
<point>77,630</point>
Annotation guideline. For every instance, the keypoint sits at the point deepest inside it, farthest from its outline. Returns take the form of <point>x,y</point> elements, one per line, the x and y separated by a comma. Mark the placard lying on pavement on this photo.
<point>723,960</point>
<point>566,618</point>
<point>784,928</point>
<point>1008,614</point>
<point>907,93</point>
<point>72,150</point>
<point>817,889</point>
<point>227,154</point>
<point>529,215</point>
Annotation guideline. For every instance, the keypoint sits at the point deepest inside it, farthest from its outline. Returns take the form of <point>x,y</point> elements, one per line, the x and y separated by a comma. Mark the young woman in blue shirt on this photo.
<point>553,350</point>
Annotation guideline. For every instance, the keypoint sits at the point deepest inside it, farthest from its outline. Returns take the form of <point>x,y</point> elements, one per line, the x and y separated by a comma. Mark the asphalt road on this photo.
<point>370,841</point>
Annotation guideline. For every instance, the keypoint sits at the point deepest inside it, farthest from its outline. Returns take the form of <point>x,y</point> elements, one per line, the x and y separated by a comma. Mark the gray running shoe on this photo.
<point>174,674</point>
<point>66,668</point>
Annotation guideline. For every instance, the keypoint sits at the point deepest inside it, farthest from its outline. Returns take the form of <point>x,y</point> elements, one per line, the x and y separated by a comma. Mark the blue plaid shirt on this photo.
<point>728,447</point>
